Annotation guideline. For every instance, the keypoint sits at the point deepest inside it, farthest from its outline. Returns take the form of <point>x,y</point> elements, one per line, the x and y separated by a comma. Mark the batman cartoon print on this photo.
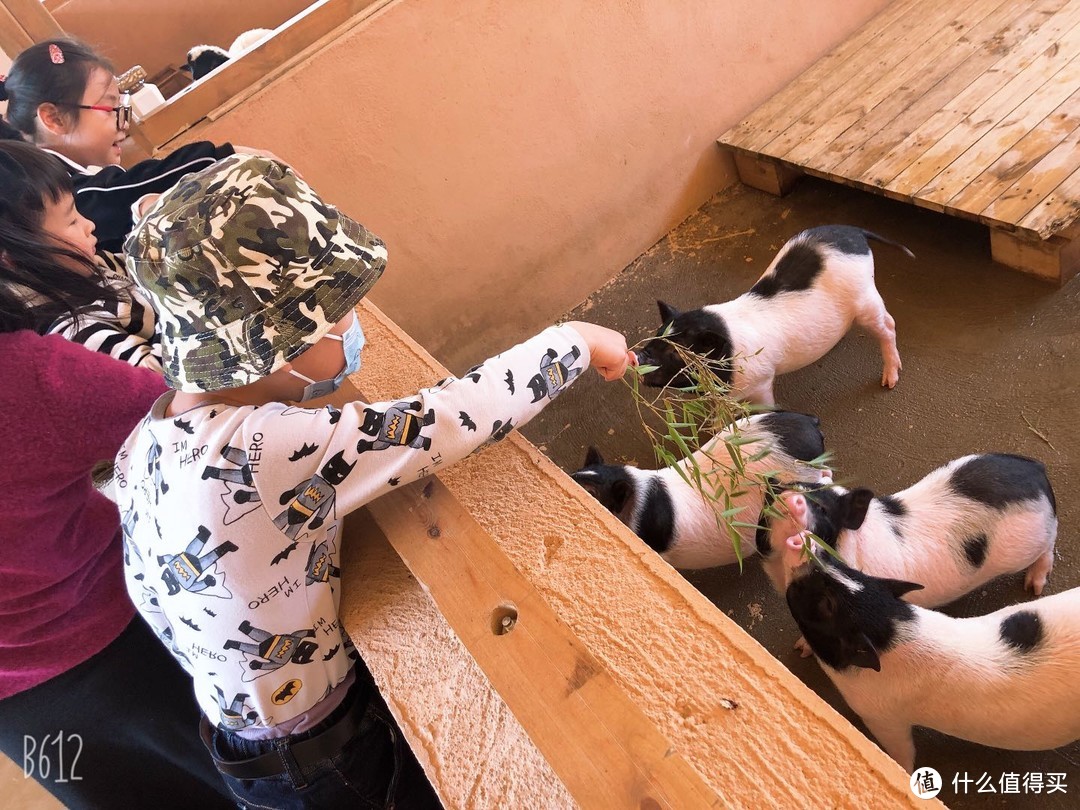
<point>240,496</point>
<point>271,651</point>
<point>309,502</point>
<point>399,426</point>
<point>320,564</point>
<point>555,374</point>
<point>154,480</point>
<point>191,569</point>
<point>232,712</point>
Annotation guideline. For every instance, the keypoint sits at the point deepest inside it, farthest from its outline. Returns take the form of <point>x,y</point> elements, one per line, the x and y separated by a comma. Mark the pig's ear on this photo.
<point>855,505</point>
<point>620,494</point>
<point>667,312</point>
<point>593,457</point>
<point>858,651</point>
<point>899,587</point>
<point>588,481</point>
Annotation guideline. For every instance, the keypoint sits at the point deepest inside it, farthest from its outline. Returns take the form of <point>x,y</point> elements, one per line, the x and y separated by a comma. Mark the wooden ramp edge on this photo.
<point>969,108</point>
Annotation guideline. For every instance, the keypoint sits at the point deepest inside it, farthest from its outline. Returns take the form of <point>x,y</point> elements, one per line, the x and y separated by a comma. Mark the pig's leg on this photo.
<point>1035,580</point>
<point>875,319</point>
<point>803,646</point>
<point>894,736</point>
<point>761,394</point>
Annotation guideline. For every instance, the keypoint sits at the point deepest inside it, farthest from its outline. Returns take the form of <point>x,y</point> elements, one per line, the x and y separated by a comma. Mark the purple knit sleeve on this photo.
<point>97,397</point>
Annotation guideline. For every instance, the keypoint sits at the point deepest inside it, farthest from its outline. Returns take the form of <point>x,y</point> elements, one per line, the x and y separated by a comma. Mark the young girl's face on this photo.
<point>67,227</point>
<point>93,139</point>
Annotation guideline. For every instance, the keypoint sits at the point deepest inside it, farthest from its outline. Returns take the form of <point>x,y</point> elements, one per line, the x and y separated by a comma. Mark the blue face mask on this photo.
<point>352,342</point>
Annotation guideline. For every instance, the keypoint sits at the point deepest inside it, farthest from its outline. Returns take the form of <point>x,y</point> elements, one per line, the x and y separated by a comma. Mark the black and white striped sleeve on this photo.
<point>126,330</point>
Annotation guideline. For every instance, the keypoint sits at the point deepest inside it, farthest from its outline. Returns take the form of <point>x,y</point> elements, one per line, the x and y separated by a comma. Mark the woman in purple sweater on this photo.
<point>81,677</point>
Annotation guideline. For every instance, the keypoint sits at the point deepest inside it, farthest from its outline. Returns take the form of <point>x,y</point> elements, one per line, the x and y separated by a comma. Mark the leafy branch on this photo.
<point>701,435</point>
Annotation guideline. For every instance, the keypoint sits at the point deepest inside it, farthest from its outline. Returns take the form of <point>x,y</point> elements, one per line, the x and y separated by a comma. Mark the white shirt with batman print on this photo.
<point>232,519</point>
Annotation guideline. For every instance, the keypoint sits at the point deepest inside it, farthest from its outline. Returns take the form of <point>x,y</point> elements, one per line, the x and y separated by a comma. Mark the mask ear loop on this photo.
<point>306,379</point>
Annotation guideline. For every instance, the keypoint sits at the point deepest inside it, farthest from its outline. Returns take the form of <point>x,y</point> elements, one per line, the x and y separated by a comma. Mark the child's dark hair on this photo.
<point>36,78</point>
<point>38,279</point>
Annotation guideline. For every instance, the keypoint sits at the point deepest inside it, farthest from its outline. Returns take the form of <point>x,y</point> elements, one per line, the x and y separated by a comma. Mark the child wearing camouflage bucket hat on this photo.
<point>231,498</point>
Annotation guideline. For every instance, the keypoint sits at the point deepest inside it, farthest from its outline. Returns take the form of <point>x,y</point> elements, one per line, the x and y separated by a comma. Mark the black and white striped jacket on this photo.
<point>126,330</point>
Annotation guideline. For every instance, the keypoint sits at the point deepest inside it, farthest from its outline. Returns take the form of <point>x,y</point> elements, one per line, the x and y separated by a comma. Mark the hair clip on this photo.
<point>55,54</point>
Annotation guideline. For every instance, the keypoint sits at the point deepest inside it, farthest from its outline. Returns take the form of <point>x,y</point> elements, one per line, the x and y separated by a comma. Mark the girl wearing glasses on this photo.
<point>62,96</point>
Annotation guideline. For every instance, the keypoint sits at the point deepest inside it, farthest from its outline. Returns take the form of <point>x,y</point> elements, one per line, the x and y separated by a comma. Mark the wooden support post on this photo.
<point>33,18</point>
<point>13,37</point>
<point>766,175</point>
<point>604,749</point>
<point>1056,259</point>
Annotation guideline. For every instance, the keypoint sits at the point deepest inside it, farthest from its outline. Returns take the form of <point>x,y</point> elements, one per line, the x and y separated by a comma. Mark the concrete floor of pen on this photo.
<point>990,362</point>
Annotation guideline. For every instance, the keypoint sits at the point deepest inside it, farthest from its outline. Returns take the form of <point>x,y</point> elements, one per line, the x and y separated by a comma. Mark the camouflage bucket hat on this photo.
<point>247,268</point>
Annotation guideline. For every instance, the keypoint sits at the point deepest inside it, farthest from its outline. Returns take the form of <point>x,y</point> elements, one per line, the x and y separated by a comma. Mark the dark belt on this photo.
<point>305,753</point>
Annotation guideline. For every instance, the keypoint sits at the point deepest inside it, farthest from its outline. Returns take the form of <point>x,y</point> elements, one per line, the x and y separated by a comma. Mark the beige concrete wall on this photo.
<point>516,156</point>
<point>156,34</point>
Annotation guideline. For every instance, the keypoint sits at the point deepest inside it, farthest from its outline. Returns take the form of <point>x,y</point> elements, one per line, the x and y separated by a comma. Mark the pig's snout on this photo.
<point>795,505</point>
<point>795,548</point>
<point>792,518</point>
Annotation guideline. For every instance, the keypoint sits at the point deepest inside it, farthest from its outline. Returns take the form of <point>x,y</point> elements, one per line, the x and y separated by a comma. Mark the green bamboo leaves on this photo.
<point>700,431</point>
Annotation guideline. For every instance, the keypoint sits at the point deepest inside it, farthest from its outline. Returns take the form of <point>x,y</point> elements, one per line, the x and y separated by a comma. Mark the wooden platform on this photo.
<point>970,107</point>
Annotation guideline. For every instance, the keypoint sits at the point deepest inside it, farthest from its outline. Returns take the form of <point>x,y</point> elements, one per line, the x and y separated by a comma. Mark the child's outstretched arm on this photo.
<point>607,349</point>
<point>362,451</point>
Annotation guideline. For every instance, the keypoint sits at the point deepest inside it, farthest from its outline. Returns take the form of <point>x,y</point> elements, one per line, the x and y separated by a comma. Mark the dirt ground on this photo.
<point>990,362</point>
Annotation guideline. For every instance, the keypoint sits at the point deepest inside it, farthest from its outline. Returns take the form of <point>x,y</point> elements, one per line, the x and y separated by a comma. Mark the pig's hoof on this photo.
<point>1038,573</point>
<point>803,648</point>
<point>890,377</point>
<point>1035,583</point>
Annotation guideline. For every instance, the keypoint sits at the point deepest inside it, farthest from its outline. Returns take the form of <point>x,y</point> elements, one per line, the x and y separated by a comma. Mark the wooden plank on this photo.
<point>34,19</point>
<point>258,67</point>
<point>979,118</point>
<point>1002,136</point>
<point>955,109</point>
<point>924,91</point>
<point>766,175</point>
<point>821,78</point>
<point>13,37</point>
<point>1056,259</point>
<point>1037,184</point>
<point>1014,170</point>
<point>1058,210</point>
<point>606,752</point>
<point>882,73</point>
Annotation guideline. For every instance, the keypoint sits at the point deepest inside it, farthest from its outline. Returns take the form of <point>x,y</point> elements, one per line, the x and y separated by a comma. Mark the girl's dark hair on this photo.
<point>38,279</point>
<point>35,78</point>
<point>8,132</point>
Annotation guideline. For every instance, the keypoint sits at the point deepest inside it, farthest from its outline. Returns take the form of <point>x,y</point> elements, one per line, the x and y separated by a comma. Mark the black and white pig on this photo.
<point>674,519</point>
<point>819,284</point>
<point>964,524</point>
<point>1007,679</point>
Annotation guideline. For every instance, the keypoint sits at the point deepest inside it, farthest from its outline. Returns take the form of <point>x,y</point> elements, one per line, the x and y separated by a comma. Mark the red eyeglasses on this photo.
<point>123,112</point>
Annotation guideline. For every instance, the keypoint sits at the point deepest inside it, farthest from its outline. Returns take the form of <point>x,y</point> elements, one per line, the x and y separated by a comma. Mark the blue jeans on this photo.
<point>375,769</point>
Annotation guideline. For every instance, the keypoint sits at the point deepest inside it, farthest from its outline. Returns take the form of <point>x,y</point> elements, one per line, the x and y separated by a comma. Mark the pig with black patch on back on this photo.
<point>974,519</point>
<point>1006,679</point>
<point>674,519</point>
<point>819,284</point>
